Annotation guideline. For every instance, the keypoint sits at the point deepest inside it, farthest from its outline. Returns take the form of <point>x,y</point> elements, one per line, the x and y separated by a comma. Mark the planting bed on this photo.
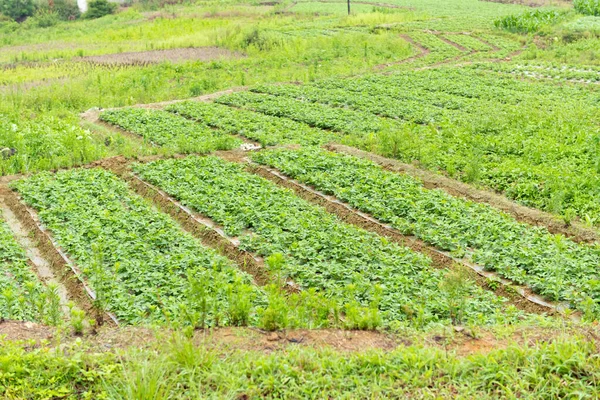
<point>318,251</point>
<point>141,265</point>
<point>168,130</point>
<point>550,264</point>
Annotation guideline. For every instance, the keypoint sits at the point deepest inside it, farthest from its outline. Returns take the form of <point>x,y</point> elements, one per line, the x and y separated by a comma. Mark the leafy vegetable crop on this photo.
<point>165,129</point>
<point>262,128</point>
<point>551,264</point>
<point>22,295</point>
<point>319,251</point>
<point>141,264</point>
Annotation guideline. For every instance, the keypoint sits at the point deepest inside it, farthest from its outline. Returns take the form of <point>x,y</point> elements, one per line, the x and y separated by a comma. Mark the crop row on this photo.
<point>469,42</point>
<point>552,265</point>
<point>317,115</point>
<point>407,109</point>
<point>165,129</point>
<point>265,129</point>
<point>22,295</point>
<point>317,250</point>
<point>139,262</point>
<point>536,142</point>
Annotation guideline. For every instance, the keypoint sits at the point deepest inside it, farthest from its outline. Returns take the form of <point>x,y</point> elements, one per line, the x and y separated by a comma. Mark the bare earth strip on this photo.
<point>158,56</point>
<point>576,231</point>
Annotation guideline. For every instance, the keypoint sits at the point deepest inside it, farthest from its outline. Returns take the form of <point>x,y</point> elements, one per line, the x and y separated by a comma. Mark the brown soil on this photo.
<point>431,180</point>
<point>158,56</point>
<point>62,268</point>
<point>522,298</point>
<point>18,330</point>
<point>532,3</point>
<point>461,341</point>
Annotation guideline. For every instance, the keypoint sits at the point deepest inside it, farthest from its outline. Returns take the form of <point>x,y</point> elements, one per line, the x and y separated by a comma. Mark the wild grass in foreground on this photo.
<point>177,368</point>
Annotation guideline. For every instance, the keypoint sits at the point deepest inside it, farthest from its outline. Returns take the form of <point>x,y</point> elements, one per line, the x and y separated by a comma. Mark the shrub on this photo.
<point>66,9</point>
<point>529,22</point>
<point>17,9</point>
<point>588,7</point>
<point>99,8</point>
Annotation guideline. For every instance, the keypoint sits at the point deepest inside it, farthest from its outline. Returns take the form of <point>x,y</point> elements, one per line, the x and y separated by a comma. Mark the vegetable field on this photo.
<point>299,199</point>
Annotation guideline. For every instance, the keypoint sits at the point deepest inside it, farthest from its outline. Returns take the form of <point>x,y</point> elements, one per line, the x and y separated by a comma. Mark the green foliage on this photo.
<point>529,22</point>
<point>45,142</point>
<point>550,264</point>
<point>22,295</point>
<point>99,9</point>
<point>264,129</point>
<point>17,9</point>
<point>588,7</point>
<point>165,129</point>
<point>377,280</point>
<point>140,262</point>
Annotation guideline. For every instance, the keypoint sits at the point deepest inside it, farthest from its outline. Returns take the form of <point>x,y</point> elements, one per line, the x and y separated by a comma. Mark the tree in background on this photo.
<point>99,8</point>
<point>17,9</point>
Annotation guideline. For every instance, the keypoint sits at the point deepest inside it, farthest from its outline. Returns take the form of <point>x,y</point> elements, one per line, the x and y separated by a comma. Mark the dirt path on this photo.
<point>176,55</point>
<point>431,180</point>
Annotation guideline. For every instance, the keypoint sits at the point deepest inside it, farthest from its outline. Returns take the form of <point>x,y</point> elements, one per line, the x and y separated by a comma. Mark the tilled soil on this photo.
<point>158,56</point>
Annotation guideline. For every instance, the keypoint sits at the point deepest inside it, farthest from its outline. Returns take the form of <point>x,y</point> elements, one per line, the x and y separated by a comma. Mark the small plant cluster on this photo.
<point>172,131</point>
<point>588,7</point>
<point>530,22</point>
<point>22,296</point>
<point>552,265</point>
<point>358,269</point>
<point>255,126</point>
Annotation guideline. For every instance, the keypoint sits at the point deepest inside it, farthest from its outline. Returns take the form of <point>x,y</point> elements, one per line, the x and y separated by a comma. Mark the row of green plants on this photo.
<point>141,264</point>
<point>534,141</point>
<point>530,21</point>
<point>255,126</point>
<point>588,7</point>
<point>22,296</point>
<point>162,128</point>
<point>408,106</point>
<point>317,115</point>
<point>379,282</point>
<point>551,265</point>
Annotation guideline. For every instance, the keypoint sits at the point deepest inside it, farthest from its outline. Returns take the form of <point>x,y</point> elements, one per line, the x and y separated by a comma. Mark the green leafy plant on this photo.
<point>588,7</point>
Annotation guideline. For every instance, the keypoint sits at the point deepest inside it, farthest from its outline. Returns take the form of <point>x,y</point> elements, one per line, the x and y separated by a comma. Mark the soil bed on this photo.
<point>158,56</point>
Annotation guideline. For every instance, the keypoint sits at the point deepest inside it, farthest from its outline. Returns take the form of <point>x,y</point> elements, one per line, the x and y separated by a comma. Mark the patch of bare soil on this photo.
<point>158,56</point>
<point>431,180</point>
<point>531,3</point>
<point>18,330</point>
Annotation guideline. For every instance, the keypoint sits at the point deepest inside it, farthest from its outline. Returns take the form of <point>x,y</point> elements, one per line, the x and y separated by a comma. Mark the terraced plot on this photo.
<point>352,266</point>
<point>254,126</point>
<point>165,129</point>
<point>550,264</point>
<point>22,295</point>
<point>141,264</point>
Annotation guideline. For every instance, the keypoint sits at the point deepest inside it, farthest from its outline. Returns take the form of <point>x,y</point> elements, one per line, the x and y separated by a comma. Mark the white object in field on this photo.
<point>83,5</point>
